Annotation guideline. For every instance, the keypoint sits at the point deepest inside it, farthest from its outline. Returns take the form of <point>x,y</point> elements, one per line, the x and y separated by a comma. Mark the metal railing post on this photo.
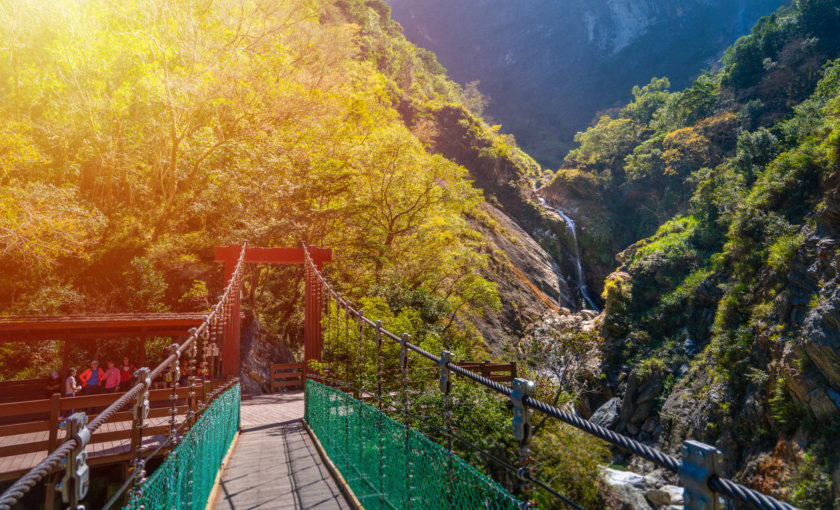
<point>409,465</point>
<point>446,388</point>
<point>360,365</point>
<point>174,377</point>
<point>140,415</point>
<point>378,329</point>
<point>522,430</point>
<point>699,463</point>
<point>326,335</point>
<point>346,346</point>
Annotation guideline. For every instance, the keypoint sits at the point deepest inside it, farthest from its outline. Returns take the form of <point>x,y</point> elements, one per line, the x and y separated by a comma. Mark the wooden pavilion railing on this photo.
<point>17,391</point>
<point>44,415</point>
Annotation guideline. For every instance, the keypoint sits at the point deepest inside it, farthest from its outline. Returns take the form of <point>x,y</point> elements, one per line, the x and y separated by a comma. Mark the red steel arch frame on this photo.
<point>229,255</point>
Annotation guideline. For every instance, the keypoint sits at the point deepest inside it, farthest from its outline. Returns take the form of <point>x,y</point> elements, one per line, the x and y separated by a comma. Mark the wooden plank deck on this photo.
<point>16,465</point>
<point>274,464</point>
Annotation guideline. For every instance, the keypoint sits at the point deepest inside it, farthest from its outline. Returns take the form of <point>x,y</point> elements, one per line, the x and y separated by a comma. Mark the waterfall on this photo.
<point>581,281</point>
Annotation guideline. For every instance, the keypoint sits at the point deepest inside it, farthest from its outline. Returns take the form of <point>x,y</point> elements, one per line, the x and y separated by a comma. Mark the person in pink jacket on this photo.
<point>112,378</point>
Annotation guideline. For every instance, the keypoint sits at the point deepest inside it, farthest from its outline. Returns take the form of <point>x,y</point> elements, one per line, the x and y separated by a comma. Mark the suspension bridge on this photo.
<point>350,439</point>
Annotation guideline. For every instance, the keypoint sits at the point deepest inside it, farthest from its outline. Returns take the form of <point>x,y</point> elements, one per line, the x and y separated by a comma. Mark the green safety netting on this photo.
<point>186,477</point>
<point>389,466</point>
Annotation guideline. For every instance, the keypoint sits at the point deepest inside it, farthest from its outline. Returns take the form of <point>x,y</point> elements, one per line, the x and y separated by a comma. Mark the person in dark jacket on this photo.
<point>53,385</point>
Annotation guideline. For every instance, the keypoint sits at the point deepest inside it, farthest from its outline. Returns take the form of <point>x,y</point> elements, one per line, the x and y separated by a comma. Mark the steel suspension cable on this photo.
<point>212,396</point>
<point>740,493</point>
<point>502,463</point>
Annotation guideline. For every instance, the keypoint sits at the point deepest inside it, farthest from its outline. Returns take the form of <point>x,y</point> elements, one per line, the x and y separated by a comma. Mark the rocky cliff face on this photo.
<point>528,249</point>
<point>528,280</point>
<point>767,392</point>
<point>550,65</point>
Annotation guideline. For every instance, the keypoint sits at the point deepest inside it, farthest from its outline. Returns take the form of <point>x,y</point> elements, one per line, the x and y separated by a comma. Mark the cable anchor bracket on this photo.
<point>74,485</point>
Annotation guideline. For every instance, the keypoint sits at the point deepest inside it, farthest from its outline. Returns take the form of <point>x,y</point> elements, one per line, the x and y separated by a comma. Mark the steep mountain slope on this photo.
<point>722,325</point>
<point>549,66</point>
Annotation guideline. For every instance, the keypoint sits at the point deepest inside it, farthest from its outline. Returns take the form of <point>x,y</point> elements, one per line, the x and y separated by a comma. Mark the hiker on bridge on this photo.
<point>71,387</point>
<point>92,378</point>
<point>126,373</point>
<point>112,378</point>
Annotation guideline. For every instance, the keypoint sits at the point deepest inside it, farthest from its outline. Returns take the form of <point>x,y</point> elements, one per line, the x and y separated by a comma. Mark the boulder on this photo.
<point>588,314</point>
<point>630,496</point>
<point>821,339</point>
<point>821,404</point>
<point>654,480</point>
<point>658,497</point>
<point>638,401</point>
<point>607,415</point>
<point>650,425</point>
<point>676,494</point>
<point>616,477</point>
<point>627,487</point>
<point>641,413</point>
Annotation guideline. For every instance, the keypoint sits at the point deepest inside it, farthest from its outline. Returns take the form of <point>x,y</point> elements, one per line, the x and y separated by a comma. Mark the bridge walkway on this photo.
<point>275,464</point>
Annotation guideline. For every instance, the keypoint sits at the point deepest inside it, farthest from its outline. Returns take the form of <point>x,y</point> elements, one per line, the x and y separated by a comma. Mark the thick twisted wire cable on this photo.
<point>747,496</point>
<point>723,486</point>
<point>655,456</point>
<point>25,483</point>
<point>210,398</point>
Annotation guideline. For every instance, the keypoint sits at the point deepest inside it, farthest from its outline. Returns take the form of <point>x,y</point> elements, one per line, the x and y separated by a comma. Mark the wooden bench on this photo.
<point>286,376</point>
<point>497,372</point>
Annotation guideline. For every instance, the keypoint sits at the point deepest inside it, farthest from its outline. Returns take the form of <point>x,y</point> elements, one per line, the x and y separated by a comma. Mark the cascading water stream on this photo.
<point>581,281</point>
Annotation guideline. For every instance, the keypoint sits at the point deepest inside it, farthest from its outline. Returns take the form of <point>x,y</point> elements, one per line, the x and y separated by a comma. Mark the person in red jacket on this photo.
<point>92,378</point>
<point>126,374</point>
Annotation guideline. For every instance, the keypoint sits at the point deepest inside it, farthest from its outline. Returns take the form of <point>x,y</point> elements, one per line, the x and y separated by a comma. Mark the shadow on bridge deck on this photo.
<point>275,464</point>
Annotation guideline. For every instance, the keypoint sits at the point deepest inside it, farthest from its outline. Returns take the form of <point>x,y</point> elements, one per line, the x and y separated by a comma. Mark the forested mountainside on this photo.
<point>548,66</point>
<point>135,137</point>
<point>722,324</point>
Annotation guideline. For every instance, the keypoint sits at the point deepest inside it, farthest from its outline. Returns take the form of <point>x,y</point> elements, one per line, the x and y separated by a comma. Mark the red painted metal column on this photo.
<point>312,341</point>
<point>230,334</point>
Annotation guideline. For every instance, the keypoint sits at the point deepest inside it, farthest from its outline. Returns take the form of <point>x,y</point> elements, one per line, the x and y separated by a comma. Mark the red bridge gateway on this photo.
<point>312,341</point>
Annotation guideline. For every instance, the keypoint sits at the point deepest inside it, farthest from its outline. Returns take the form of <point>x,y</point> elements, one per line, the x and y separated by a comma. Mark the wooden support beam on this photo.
<point>272,255</point>
<point>83,327</point>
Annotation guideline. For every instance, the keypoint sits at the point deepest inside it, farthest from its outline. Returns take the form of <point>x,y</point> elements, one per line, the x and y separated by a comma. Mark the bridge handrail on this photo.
<point>718,484</point>
<point>25,483</point>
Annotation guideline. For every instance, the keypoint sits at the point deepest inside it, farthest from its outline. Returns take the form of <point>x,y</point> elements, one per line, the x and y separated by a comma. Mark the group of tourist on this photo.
<point>95,380</point>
